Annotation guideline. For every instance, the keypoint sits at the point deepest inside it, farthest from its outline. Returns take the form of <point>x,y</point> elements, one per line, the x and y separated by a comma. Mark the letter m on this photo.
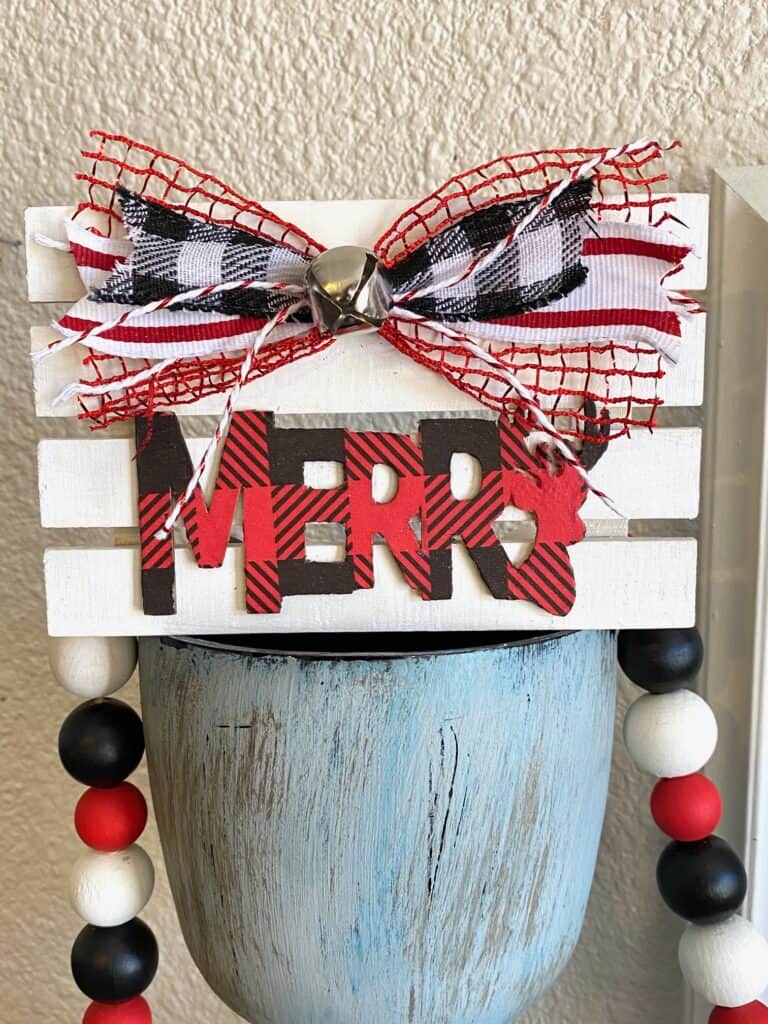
<point>164,468</point>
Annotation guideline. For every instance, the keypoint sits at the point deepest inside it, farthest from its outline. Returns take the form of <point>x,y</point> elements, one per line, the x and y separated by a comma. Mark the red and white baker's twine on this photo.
<point>483,259</point>
<point>223,424</point>
<point>138,311</point>
<point>473,347</point>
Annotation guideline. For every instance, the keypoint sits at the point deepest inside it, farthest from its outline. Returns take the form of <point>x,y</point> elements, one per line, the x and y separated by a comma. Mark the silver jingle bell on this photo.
<point>346,290</point>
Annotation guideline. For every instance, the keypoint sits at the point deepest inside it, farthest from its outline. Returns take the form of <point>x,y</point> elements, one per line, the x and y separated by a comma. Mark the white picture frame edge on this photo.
<point>733,579</point>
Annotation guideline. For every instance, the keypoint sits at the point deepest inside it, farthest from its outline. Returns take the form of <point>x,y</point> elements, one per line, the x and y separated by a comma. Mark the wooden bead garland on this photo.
<point>670,732</point>
<point>750,1013</point>
<point>660,660</point>
<point>727,962</point>
<point>135,1011</point>
<point>686,808</point>
<point>107,889</point>
<point>92,666</point>
<point>703,881</point>
<point>114,958</point>
<point>111,819</point>
<point>101,742</point>
<point>111,965</point>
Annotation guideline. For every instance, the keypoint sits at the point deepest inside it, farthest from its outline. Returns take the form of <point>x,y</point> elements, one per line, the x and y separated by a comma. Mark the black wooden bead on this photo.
<point>660,660</point>
<point>703,881</point>
<point>101,742</point>
<point>110,965</point>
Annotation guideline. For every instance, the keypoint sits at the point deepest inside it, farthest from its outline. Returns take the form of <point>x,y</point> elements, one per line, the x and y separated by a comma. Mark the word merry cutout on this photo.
<point>265,465</point>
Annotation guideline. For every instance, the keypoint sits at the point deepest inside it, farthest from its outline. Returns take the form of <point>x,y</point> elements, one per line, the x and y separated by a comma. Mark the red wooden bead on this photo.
<point>687,808</point>
<point>135,1011</point>
<point>752,1013</point>
<point>111,819</point>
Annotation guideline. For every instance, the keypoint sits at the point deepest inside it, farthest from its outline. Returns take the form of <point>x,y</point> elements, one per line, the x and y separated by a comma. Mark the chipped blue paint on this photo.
<point>393,841</point>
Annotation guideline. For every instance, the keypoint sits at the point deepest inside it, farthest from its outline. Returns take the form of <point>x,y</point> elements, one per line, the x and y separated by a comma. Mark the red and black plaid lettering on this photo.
<point>295,505</point>
<point>362,571</point>
<point>365,449</point>
<point>245,463</point>
<point>362,451</point>
<point>245,457</point>
<point>545,578</point>
<point>471,520</point>
<point>513,447</point>
<point>153,511</point>
<point>276,515</point>
<point>415,567</point>
<point>262,588</point>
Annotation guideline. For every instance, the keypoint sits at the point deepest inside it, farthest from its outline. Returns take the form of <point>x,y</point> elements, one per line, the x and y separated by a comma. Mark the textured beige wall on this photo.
<point>323,100</point>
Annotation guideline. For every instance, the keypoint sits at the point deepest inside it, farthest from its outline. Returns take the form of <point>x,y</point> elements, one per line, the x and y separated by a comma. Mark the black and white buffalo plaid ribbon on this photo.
<point>174,252</point>
<point>541,264</point>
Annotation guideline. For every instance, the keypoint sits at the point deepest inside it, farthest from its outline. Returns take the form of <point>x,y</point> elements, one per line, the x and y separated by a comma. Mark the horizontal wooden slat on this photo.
<point>51,274</point>
<point>384,379</point>
<point>93,483</point>
<point>52,277</point>
<point>618,583</point>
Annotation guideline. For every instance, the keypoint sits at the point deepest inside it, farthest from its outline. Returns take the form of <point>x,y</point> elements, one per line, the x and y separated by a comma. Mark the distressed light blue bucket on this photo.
<point>387,839</point>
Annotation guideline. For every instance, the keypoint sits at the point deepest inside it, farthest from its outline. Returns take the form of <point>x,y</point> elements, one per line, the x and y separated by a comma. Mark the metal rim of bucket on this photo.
<point>365,646</point>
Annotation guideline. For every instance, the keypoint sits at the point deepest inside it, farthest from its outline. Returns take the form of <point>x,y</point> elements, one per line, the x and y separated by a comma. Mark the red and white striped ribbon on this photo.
<point>87,337</point>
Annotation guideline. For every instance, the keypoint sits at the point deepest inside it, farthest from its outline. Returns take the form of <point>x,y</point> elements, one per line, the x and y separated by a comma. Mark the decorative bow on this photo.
<point>518,257</point>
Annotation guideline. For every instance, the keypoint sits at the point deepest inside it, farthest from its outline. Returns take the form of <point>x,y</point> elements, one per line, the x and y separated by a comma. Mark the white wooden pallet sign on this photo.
<point>90,481</point>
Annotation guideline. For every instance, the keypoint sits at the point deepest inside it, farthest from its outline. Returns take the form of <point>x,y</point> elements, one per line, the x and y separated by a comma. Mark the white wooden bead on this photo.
<point>727,963</point>
<point>670,734</point>
<point>92,666</point>
<point>108,889</point>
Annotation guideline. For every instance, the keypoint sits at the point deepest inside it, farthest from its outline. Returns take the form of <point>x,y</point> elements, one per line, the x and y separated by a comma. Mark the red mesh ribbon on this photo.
<point>575,379</point>
<point>571,380</point>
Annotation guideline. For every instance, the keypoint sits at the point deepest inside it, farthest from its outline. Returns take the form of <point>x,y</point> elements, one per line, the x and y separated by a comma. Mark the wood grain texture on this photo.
<point>393,840</point>
<point>641,583</point>
<point>93,483</point>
